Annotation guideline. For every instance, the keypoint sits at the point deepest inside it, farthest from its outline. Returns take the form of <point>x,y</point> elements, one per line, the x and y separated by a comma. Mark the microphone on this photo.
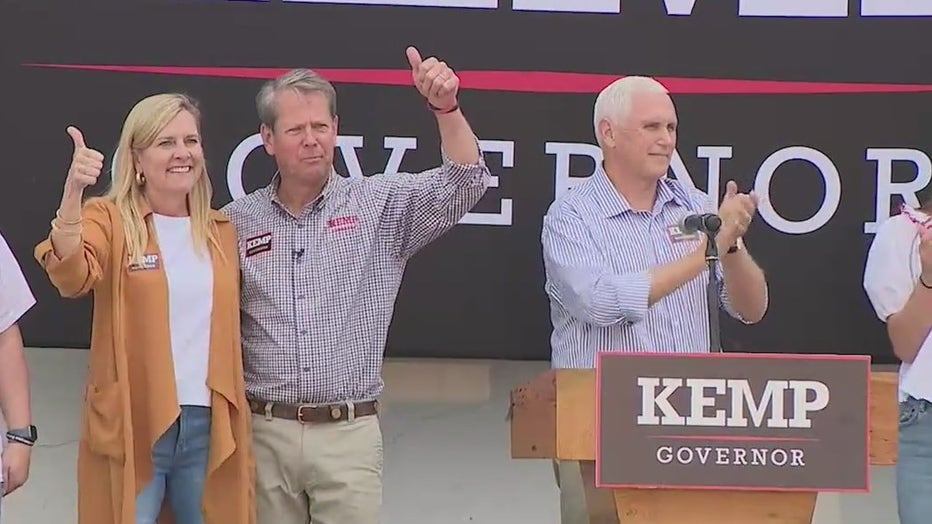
<point>708,223</point>
<point>705,222</point>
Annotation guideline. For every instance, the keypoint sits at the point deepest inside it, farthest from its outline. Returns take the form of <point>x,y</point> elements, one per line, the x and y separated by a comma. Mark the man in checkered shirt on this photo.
<point>322,261</point>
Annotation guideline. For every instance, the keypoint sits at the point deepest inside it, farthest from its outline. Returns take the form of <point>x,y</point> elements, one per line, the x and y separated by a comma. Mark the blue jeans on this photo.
<point>179,459</point>
<point>914,462</point>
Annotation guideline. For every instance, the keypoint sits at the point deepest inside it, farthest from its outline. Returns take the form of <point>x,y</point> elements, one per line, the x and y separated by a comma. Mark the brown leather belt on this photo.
<point>315,413</point>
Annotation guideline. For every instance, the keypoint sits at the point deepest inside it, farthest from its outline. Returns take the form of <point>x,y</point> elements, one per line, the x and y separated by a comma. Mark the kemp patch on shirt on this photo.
<point>343,223</point>
<point>149,261</point>
<point>258,244</point>
<point>677,235</point>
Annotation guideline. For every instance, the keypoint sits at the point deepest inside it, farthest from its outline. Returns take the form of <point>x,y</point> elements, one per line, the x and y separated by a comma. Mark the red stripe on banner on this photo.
<point>521,81</point>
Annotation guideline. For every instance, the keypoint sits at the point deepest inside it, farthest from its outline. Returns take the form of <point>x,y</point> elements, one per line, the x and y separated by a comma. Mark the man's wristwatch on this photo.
<point>739,245</point>
<point>28,435</point>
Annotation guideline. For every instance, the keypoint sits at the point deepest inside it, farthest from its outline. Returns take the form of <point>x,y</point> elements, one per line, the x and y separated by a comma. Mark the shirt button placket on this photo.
<point>655,232</point>
<point>299,294</point>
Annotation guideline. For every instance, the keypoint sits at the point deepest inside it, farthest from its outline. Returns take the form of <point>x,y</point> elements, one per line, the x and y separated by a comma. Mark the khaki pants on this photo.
<point>327,473</point>
<point>580,501</point>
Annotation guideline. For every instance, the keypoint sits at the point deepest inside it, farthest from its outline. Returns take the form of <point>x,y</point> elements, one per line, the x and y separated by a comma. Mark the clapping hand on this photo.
<point>736,211</point>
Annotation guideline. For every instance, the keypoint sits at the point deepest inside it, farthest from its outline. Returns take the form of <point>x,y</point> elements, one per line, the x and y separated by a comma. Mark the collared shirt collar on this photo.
<point>612,203</point>
<point>333,183</point>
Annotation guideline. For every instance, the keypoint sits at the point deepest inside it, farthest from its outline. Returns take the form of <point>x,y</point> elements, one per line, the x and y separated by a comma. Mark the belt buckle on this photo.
<point>300,412</point>
<point>334,411</point>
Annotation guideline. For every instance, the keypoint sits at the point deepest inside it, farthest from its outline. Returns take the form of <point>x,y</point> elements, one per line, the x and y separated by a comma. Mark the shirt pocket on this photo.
<point>346,252</point>
<point>264,270</point>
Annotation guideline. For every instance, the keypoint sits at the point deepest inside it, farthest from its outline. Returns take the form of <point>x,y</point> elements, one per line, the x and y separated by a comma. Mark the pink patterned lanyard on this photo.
<point>925,222</point>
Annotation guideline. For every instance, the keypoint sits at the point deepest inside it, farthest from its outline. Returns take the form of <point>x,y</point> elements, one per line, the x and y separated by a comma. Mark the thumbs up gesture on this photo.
<point>86,163</point>
<point>434,80</point>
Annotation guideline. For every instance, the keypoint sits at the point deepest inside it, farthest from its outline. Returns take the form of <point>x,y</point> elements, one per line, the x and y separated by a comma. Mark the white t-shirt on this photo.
<point>190,302</point>
<point>15,300</point>
<point>15,296</point>
<point>890,276</point>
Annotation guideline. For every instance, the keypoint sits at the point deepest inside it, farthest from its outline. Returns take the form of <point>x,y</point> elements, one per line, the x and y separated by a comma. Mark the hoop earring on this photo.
<point>140,179</point>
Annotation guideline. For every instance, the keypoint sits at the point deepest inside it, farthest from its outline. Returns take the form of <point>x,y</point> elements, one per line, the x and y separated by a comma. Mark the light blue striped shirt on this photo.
<point>597,253</point>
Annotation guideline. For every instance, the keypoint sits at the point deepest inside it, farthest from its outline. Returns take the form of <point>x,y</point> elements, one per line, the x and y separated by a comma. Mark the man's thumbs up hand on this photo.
<point>414,58</point>
<point>434,80</point>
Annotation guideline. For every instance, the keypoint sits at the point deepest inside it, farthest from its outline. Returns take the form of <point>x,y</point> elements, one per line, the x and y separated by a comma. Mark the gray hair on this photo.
<point>614,102</point>
<point>302,81</point>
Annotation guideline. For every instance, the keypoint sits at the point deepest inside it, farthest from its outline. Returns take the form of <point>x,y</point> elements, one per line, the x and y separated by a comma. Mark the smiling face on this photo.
<point>643,141</point>
<point>303,137</point>
<point>175,159</point>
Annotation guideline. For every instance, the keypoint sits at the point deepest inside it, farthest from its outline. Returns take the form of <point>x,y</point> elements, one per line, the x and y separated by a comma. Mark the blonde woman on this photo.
<point>165,422</point>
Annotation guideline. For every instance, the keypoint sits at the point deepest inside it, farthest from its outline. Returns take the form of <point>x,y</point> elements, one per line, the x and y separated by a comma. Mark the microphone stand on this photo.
<point>713,299</point>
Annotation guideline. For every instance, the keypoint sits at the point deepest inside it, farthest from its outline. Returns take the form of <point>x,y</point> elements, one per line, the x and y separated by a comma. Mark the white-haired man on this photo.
<point>620,274</point>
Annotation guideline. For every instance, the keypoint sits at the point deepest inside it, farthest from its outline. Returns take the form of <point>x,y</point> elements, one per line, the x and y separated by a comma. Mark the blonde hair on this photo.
<point>142,126</point>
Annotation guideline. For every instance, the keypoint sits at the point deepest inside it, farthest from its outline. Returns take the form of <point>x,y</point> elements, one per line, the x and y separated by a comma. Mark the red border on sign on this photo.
<point>517,81</point>
<point>784,356</point>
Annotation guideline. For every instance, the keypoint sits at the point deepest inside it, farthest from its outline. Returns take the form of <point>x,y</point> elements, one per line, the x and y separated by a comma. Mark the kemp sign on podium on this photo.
<point>733,421</point>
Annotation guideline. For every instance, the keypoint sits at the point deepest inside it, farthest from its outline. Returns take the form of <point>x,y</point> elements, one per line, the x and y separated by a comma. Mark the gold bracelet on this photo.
<point>66,222</point>
<point>72,229</point>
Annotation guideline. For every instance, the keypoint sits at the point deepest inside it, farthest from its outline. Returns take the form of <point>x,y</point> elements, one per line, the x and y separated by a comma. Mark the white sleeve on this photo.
<point>889,273</point>
<point>15,296</point>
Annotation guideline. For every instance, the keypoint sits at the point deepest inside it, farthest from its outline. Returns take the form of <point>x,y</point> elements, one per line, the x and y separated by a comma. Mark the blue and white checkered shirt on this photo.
<point>318,289</point>
<point>597,253</point>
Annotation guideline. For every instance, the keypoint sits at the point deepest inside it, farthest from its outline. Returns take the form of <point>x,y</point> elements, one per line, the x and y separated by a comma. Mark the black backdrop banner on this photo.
<point>822,106</point>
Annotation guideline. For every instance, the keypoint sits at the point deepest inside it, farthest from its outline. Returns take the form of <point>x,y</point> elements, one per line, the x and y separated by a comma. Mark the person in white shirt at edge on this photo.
<point>15,300</point>
<point>619,275</point>
<point>898,282</point>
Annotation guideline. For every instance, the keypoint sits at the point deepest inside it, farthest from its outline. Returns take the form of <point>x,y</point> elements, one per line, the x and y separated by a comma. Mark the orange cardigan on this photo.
<point>130,398</point>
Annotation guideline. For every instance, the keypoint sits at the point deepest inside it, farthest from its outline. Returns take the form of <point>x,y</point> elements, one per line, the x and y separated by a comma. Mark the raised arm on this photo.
<point>909,328</point>
<point>77,250</point>
<point>423,206</point>
<point>744,292</point>
<point>580,277</point>
<point>899,290</point>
